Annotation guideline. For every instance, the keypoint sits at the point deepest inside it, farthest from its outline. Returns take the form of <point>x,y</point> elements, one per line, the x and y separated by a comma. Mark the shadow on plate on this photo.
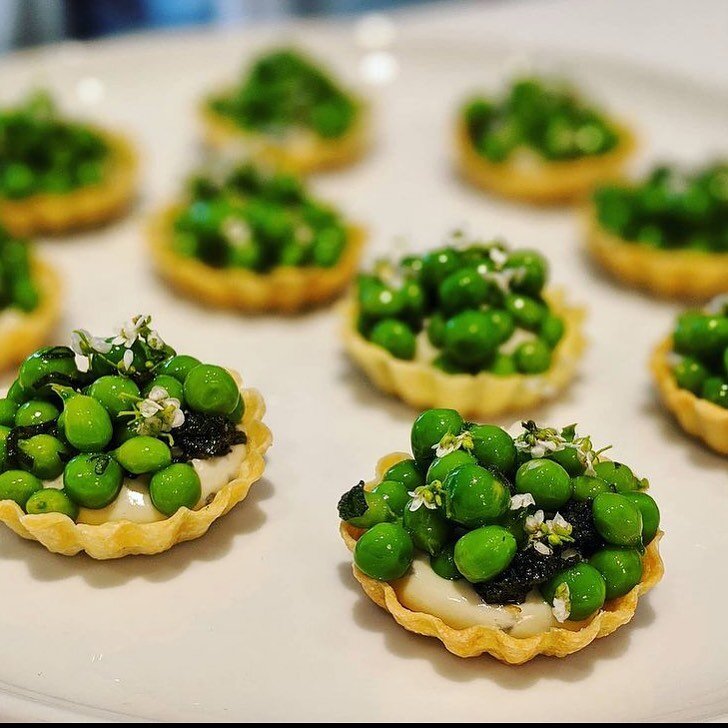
<point>247,517</point>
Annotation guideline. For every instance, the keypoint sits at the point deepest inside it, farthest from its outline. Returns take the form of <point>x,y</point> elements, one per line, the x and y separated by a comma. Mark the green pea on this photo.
<point>377,511</point>
<point>238,412</point>
<point>715,390</point>
<point>690,374</point>
<point>415,300</point>
<point>438,265</point>
<point>493,447</point>
<point>429,528</point>
<point>463,289</point>
<point>515,523</point>
<point>18,486</point>
<point>395,337</point>
<point>179,366</point>
<point>474,496</point>
<point>587,488</point>
<point>51,500</point>
<point>527,312</point>
<point>328,246</point>
<point>436,330</point>
<point>587,590</point>
<point>533,271</point>
<point>46,455</point>
<point>532,357</point>
<point>552,330</point>
<point>503,365</point>
<point>619,476</point>
<point>440,468</point>
<point>484,553</point>
<point>35,412</point>
<point>650,514</point>
<point>384,552</point>
<point>443,564</point>
<point>620,568</point>
<point>502,321</point>
<point>4,432</point>
<point>172,386</point>
<point>143,454</point>
<point>16,393</point>
<point>176,486</point>
<point>407,473</point>
<point>116,393</point>
<point>568,459</point>
<point>379,301</point>
<point>395,495</point>
<point>92,480</point>
<point>701,335</point>
<point>617,519</point>
<point>211,390</point>
<point>48,362</point>
<point>429,428</point>
<point>8,408</point>
<point>85,423</point>
<point>471,338</point>
<point>546,481</point>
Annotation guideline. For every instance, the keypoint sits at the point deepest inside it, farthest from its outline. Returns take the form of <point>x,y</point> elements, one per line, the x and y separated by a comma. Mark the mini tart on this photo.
<point>703,419</point>
<point>684,274</point>
<point>477,640</point>
<point>286,288</point>
<point>423,386</point>
<point>29,330</point>
<point>302,153</point>
<point>84,207</point>
<point>533,179</point>
<point>115,539</point>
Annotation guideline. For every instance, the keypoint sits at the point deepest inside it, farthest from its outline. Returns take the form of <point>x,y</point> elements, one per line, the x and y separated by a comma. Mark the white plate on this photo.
<point>261,619</point>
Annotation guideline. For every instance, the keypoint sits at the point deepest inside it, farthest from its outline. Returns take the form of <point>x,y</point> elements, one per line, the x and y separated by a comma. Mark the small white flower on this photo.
<point>129,332</point>
<point>521,500</point>
<point>303,234</point>
<point>149,408</point>
<point>542,548</point>
<point>83,343</point>
<point>235,231</point>
<point>498,255</point>
<point>451,443</point>
<point>154,340</point>
<point>158,394</point>
<point>126,361</point>
<point>83,363</point>
<point>561,605</point>
<point>422,496</point>
<point>501,278</point>
<point>159,413</point>
<point>533,523</point>
<point>559,522</point>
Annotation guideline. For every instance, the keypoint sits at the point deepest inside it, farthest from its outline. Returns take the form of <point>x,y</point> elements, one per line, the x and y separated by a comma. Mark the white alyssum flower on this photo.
<point>130,331</point>
<point>534,523</point>
<point>450,443</point>
<point>428,496</point>
<point>521,500</point>
<point>561,605</point>
<point>235,231</point>
<point>126,361</point>
<point>154,340</point>
<point>158,413</point>
<point>503,279</point>
<point>544,534</point>
<point>542,548</point>
<point>85,345</point>
<point>498,255</point>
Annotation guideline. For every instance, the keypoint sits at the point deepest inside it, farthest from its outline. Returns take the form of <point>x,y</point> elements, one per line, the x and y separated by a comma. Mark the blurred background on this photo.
<point>29,22</point>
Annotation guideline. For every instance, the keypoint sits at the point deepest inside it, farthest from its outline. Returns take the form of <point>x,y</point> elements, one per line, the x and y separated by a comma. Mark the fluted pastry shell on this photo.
<point>422,385</point>
<point>477,640</point>
<point>302,153</point>
<point>87,206</point>
<point>114,539</point>
<point>286,289</point>
<point>537,180</point>
<point>28,331</point>
<point>703,419</point>
<point>681,274</point>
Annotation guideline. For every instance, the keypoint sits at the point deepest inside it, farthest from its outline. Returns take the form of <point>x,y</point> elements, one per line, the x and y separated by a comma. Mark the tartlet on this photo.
<point>140,457</point>
<point>626,572</point>
<point>95,185</point>
<point>255,241</point>
<point>692,378</point>
<point>265,119</point>
<point>539,144</point>
<point>411,355</point>
<point>33,303</point>
<point>665,234</point>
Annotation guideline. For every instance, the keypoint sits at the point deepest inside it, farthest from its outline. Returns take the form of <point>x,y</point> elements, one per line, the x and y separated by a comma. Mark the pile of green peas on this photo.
<point>284,90</point>
<point>43,153</point>
<point>469,527</point>
<point>470,300</point>
<point>700,339</point>
<point>17,287</point>
<point>58,422</point>
<point>257,220</point>
<point>669,209</point>
<point>539,115</point>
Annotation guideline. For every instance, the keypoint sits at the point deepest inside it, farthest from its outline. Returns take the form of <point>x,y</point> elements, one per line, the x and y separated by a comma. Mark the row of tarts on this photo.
<point>512,543</point>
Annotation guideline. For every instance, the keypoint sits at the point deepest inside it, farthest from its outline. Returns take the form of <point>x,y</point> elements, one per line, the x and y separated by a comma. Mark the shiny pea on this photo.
<point>440,468</point>
<point>621,569</point>
<point>384,552</point>
<point>650,514</point>
<point>532,357</point>
<point>429,428</point>
<point>176,486</point>
<point>568,459</point>
<point>471,339</point>
<point>172,386</point>
<point>85,423</point>
<point>395,337</point>
<point>493,447</point>
<point>143,454</point>
<point>532,271</point>
<point>50,361</point>
<point>92,480</point>
<point>474,496</point>
<point>443,564</point>
<point>617,519</point>
<point>619,476</point>
<point>546,481</point>
<point>211,390</point>
<point>587,488</point>
<point>4,432</point>
<point>45,454</point>
<point>8,408</point>
<point>116,393</point>
<point>407,473</point>
<point>429,528</point>
<point>502,365</point>
<point>503,323</point>
<point>377,511</point>
<point>690,374</point>
<point>395,494</point>
<point>51,500</point>
<point>484,553</point>
<point>35,412</point>
<point>179,366</point>
<point>527,312</point>
<point>587,590</point>
<point>18,486</point>
<point>552,329</point>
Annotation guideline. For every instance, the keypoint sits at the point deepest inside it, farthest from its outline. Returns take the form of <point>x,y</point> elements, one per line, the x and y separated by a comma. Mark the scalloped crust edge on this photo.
<point>316,155</point>
<point>544,182</point>
<point>21,338</point>
<point>484,395</point>
<point>477,640</point>
<point>285,289</point>
<point>681,274</point>
<point>705,420</point>
<point>115,539</point>
<point>89,206</point>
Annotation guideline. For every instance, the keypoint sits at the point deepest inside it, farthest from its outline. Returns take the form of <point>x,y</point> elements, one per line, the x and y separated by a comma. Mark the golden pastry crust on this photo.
<point>682,274</point>
<point>477,640</point>
<point>304,154</point>
<point>703,419</point>
<point>89,206</point>
<point>115,539</point>
<point>287,289</point>
<point>422,385</point>
<point>539,181</point>
<point>28,331</point>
